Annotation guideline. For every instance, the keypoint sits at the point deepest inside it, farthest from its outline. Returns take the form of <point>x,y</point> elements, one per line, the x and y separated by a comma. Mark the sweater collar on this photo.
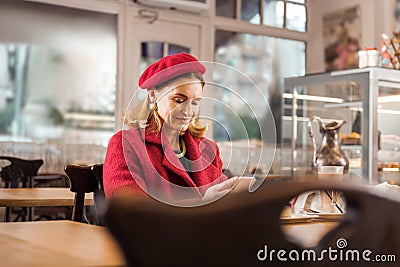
<point>198,163</point>
<point>169,160</point>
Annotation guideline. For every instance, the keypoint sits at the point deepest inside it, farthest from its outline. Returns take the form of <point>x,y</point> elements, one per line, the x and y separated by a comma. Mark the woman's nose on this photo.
<point>187,108</point>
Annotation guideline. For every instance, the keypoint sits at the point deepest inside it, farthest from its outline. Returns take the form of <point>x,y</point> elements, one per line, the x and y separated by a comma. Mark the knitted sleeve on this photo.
<point>118,179</point>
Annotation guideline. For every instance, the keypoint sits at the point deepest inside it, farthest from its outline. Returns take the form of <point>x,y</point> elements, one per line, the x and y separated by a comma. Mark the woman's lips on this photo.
<point>184,120</point>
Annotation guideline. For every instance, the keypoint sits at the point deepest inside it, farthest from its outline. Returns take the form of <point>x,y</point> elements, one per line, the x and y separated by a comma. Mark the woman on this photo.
<point>164,153</point>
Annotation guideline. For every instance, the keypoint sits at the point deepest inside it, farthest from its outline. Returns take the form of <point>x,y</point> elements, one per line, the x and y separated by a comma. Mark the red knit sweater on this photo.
<point>139,162</point>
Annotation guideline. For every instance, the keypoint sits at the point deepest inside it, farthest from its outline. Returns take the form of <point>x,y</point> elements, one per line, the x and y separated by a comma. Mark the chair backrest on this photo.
<point>99,196</point>
<point>19,170</point>
<point>232,230</point>
<point>82,181</point>
<point>97,170</point>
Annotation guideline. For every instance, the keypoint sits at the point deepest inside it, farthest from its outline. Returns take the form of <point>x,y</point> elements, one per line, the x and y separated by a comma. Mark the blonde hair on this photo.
<point>144,115</point>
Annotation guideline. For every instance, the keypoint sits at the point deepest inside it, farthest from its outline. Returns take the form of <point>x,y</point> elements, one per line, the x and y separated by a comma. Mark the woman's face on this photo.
<point>178,102</point>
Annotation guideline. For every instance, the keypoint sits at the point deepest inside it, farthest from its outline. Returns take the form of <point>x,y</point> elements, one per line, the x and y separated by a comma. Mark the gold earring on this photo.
<point>154,110</point>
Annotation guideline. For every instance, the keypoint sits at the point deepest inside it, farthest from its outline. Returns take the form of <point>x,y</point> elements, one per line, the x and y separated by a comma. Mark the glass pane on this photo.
<point>388,155</point>
<point>250,11</point>
<point>333,101</point>
<point>151,52</point>
<point>260,58</point>
<point>296,17</point>
<point>273,13</point>
<point>48,66</point>
<point>226,8</point>
<point>175,49</point>
<point>57,81</point>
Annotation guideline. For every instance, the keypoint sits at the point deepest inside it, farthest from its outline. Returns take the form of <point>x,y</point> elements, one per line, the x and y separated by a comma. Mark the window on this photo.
<point>272,48</point>
<point>57,73</point>
<point>284,14</point>
<point>266,52</point>
<point>57,83</point>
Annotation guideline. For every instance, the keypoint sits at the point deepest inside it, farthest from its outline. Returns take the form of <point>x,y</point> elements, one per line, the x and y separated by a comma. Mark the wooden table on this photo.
<point>39,197</point>
<point>57,243</point>
<point>68,243</point>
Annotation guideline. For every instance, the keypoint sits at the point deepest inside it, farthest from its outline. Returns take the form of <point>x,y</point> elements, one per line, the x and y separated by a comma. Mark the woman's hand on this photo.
<point>219,190</point>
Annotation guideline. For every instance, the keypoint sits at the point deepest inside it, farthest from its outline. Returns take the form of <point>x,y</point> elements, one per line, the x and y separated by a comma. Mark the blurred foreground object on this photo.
<point>233,230</point>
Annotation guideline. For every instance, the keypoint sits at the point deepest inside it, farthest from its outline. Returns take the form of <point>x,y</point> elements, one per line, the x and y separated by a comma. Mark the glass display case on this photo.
<point>367,99</point>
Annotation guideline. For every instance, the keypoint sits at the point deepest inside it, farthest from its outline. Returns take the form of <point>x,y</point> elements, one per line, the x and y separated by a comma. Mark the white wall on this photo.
<point>376,17</point>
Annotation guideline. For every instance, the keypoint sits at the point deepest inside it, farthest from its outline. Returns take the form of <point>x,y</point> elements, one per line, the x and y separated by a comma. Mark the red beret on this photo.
<point>169,67</point>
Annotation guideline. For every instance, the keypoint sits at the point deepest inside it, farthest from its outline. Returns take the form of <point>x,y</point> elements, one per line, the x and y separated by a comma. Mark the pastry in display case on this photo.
<point>351,139</point>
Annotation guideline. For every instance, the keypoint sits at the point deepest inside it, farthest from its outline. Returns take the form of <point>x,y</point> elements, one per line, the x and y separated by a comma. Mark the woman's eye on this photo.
<point>179,100</point>
<point>195,103</point>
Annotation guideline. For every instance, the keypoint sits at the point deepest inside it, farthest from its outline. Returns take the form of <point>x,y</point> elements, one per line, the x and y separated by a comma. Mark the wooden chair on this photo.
<point>19,172</point>
<point>97,170</point>
<point>83,180</point>
<point>232,230</point>
<point>23,172</point>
